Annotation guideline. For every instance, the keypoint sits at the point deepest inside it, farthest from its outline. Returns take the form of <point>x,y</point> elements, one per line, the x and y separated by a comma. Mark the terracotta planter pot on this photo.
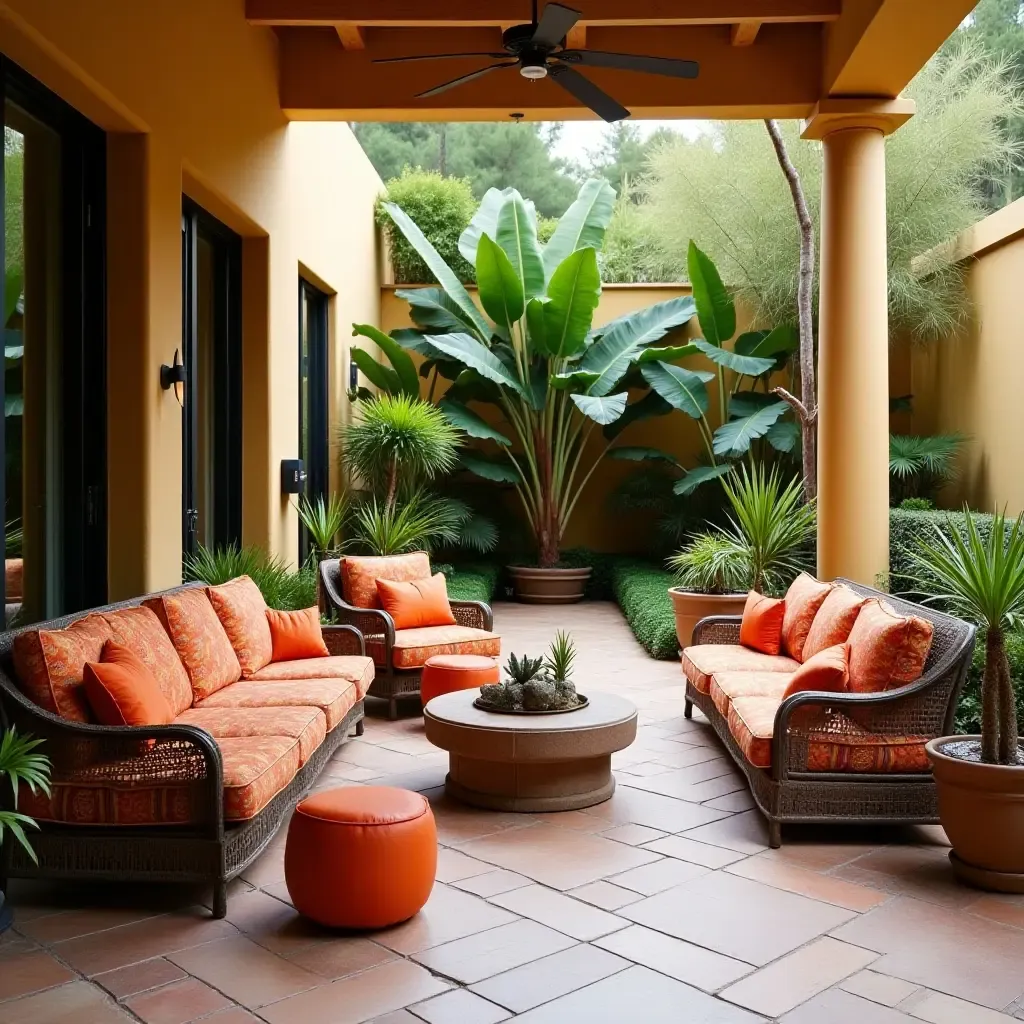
<point>982,811</point>
<point>690,608</point>
<point>548,586</point>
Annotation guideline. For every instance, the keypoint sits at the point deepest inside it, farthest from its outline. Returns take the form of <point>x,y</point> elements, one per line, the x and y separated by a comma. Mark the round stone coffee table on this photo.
<point>557,762</point>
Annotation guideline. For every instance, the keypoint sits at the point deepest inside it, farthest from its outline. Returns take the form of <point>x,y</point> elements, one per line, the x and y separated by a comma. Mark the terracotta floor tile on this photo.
<point>659,876</point>
<point>366,755</point>
<point>448,915</point>
<point>488,953</point>
<point>923,872</point>
<point>460,1006</point>
<point>622,996</point>
<point>412,744</point>
<point>838,1007</point>
<point>362,997</point>
<point>633,835</point>
<point>267,869</point>
<point>70,924</point>
<point>744,833</point>
<point>740,918</point>
<point>557,857</point>
<point>398,1017</point>
<point>819,855</point>
<point>563,913</point>
<point>943,949</point>
<point>452,865</point>
<point>680,960</point>
<point>351,772</point>
<point>795,978</point>
<point>826,888</point>
<point>246,972</point>
<point>578,821</point>
<point>22,973</point>
<point>76,1003</point>
<point>629,806</point>
<point>643,769</point>
<point>879,988</point>
<point>341,956</point>
<point>457,823</point>
<point>937,1008</point>
<point>177,1003</point>
<point>129,981</point>
<point>532,984</point>
<point>232,1015</point>
<point>417,781</point>
<point>1008,909</point>
<point>275,925</point>
<point>605,895</point>
<point>697,853</point>
<point>687,755</point>
<point>490,883</point>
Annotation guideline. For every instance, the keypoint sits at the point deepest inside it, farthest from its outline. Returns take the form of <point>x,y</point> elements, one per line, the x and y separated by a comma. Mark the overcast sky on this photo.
<point>580,137</point>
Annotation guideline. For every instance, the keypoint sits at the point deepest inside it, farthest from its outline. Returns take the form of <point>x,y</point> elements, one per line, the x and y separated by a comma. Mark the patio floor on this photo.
<point>662,905</point>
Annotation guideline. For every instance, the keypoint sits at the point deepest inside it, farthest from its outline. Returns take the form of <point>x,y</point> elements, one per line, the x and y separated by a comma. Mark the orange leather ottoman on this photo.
<point>361,856</point>
<point>444,673</point>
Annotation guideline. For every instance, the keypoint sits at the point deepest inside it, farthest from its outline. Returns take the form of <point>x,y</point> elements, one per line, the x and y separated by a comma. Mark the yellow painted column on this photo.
<point>853,346</point>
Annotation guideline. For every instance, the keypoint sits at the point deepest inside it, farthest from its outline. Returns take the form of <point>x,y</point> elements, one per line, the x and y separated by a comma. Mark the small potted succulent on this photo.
<point>980,779</point>
<point>536,685</point>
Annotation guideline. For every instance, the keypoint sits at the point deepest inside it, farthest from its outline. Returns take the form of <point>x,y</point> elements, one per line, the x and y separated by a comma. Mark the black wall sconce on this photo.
<point>173,376</point>
<point>353,378</point>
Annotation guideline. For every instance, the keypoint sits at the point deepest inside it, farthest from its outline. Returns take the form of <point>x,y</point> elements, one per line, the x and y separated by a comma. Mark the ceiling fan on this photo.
<point>538,50</point>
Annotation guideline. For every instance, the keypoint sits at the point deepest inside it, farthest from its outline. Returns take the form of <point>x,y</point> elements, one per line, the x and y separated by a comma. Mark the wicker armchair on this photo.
<point>207,849</point>
<point>378,628</point>
<point>790,791</point>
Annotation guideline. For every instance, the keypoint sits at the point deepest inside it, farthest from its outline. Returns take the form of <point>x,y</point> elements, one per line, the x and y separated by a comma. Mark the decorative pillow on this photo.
<point>200,640</point>
<point>887,649</point>
<point>243,614</point>
<point>835,619</point>
<point>827,670</point>
<point>50,664</point>
<point>761,628</point>
<point>296,635</point>
<point>122,691</point>
<point>803,599</point>
<point>417,603</point>
<point>359,574</point>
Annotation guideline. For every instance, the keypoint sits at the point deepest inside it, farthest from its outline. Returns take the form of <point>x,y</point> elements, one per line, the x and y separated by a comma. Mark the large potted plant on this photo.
<point>980,779</point>
<point>759,549</point>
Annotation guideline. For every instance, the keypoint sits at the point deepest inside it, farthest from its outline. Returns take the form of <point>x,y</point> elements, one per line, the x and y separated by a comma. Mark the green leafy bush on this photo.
<point>442,208</point>
<point>281,587</point>
<point>641,591</point>
<point>917,505</point>
<point>474,581</point>
<point>968,712</point>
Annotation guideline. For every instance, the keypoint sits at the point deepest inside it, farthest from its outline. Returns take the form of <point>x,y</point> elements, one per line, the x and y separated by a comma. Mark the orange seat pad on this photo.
<point>727,685</point>
<point>702,661</point>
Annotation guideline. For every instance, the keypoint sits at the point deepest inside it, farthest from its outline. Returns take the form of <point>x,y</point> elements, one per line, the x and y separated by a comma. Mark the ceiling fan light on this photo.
<point>534,72</point>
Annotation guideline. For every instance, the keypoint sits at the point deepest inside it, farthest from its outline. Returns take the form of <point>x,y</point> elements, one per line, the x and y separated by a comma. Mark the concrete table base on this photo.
<point>530,762</point>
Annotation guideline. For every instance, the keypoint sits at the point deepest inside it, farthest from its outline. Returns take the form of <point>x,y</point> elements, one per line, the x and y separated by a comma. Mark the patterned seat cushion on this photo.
<point>359,574</point>
<point>307,725</point>
<point>844,746</point>
<point>727,685</point>
<point>243,614</point>
<point>414,646</point>
<point>341,666</point>
<point>702,661</point>
<point>752,724</point>
<point>334,697</point>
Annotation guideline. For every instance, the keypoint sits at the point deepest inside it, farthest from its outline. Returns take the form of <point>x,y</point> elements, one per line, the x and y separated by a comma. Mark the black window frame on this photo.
<point>313,351</point>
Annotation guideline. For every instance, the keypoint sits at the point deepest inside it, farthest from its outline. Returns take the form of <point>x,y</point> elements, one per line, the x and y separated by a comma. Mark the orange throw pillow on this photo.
<point>835,619</point>
<point>803,599</point>
<point>296,635</point>
<point>417,603</point>
<point>827,670</point>
<point>887,649</point>
<point>359,574</point>
<point>243,614</point>
<point>761,628</point>
<point>122,691</point>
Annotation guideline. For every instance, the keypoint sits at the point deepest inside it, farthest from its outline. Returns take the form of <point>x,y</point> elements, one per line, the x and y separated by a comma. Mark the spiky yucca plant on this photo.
<point>20,762</point>
<point>323,521</point>
<point>522,670</point>
<point>561,655</point>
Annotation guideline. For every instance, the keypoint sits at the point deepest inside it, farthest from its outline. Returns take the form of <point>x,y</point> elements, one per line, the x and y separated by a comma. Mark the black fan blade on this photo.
<point>589,94</point>
<point>554,25</point>
<point>434,56</point>
<point>630,62</point>
<point>464,78</point>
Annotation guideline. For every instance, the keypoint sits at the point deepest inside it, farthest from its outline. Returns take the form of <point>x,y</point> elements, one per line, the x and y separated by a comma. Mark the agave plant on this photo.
<point>522,670</point>
<point>21,763</point>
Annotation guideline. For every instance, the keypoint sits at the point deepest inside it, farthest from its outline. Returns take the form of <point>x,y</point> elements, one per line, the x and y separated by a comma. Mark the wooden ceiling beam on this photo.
<point>744,33</point>
<point>577,38</point>
<point>351,36</point>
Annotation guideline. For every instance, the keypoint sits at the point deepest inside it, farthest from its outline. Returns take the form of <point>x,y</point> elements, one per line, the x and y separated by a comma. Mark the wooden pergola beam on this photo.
<point>744,33</point>
<point>351,36</point>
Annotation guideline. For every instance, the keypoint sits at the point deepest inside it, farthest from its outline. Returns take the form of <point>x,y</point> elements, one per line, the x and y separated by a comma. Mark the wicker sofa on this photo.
<point>877,738</point>
<point>194,801</point>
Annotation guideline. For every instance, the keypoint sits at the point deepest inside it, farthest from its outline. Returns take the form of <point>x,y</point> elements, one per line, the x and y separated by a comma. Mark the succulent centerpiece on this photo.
<point>536,685</point>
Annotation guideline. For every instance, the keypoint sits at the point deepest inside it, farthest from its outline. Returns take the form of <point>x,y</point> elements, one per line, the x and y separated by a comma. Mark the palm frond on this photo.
<point>21,763</point>
<point>419,522</point>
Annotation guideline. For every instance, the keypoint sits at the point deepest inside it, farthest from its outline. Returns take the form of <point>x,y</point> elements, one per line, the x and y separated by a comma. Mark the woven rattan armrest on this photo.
<point>344,640</point>
<point>475,614</point>
<point>717,629</point>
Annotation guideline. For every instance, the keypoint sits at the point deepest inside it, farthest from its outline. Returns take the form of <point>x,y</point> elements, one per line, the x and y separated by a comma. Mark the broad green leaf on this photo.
<point>784,436</point>
<point>748,366</point>
<point>601,410</point>
<point>380,376</point>
<point>683,389</point>
<point>517,236</point>
<point>698,476</point>
<point>583,225</point>
<point>639,453</point>
<point>501,290</point>
<point>489,469</point>
<point>666,355</point>
<point>536,328</point>
<point>734,437</point>
<point>715,307</point>
<point>477,356</point>
<point>652,404</point>
<point>433,308</point>
<point>400,360</point>
<point>485,220</point>
<point>446,277</point>
<point>575,379</point>
<point>778,341</point>
<point>470,423</point>
<point>745,403</point>
<point>573,294</point>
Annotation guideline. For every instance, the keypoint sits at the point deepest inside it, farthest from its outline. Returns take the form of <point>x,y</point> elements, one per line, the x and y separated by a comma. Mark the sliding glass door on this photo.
<point>313,397</point>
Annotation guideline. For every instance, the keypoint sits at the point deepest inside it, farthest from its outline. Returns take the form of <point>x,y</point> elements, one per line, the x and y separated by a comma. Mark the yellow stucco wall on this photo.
<point>188,93</point>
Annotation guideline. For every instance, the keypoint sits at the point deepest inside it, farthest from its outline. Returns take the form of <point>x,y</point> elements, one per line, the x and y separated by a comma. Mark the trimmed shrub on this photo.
<point>968,712</point>
<point>641,591</point>
<point>476,581</point>
<point>442,207</point>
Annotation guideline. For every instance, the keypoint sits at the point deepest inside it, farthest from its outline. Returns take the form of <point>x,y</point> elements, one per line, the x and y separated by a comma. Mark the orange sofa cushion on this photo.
<point>413,647</point>
<point>445,673</point>
<point>140,630</point>
<point>122,691</point>
<point>835,619</point>
<point>752,724</point>
<point>361,856</point>
<point>803,599</point>
<point>417,603</point>
<point>50,665</point>
<point>761,627</point>
<point>828,670</point>
<point>243,614</point>
<point>846,747</point>
<point>307,725</point>
<point>359,574</point>
<point>725,686</point>
<point>702,661</point>
<point>336,666</point>
<point>295,635</point>
<point>200,640</point>
<point>887,649</point>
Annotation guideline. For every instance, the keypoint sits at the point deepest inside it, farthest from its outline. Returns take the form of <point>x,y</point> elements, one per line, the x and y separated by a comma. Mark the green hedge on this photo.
<point>641,591</point>
<point>477,581</point>
<point>968,712</point>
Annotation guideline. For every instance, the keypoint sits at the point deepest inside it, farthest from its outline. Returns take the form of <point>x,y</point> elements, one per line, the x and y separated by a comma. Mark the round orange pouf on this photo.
<point>444,673</point>
<point>361,856</point>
